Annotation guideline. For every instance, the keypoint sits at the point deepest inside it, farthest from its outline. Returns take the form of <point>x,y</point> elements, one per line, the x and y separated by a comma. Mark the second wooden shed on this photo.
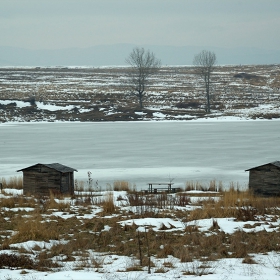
<point>265,179</point>
<point>41,179</point>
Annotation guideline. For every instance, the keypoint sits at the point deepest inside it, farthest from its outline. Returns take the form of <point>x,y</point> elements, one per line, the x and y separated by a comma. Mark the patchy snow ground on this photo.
<point>227,269</point>
<point>176,93</point>
<point>40,105</point>
<point>267,266</point>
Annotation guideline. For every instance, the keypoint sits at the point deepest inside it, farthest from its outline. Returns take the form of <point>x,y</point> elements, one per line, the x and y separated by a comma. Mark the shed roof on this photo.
<point>275,163</point>
<point>56,166</point>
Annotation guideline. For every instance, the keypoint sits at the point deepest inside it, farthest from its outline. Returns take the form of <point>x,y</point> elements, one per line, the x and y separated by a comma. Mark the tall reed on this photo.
<point>121,186</point>
<point>108,203</point>
<point>15,182</point>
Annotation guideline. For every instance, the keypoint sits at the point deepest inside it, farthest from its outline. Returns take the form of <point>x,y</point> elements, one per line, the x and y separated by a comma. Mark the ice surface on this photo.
<point>141,152</point>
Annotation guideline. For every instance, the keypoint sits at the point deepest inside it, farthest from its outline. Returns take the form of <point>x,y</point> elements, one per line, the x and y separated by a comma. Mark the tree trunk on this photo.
<point>208,102</point>
<point>208,92</point>
<point>140,101</point>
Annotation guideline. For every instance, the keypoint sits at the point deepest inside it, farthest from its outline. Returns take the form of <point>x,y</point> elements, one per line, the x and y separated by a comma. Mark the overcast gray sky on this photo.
<point>52,24</point>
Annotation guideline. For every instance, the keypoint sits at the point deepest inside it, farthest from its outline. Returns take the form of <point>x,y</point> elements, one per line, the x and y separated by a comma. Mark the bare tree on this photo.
<point>144,64</point>
<point>205,62</point>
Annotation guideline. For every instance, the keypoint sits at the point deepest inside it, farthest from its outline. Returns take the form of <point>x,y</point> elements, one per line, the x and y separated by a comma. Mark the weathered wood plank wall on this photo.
<point>265,180</point>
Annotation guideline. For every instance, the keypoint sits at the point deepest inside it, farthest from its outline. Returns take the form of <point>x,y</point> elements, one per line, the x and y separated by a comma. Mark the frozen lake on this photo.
<point>142,152</point>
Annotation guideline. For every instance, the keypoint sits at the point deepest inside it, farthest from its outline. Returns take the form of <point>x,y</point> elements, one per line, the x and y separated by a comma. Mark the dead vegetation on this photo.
<point>99,94</point>
<point>74,229</point>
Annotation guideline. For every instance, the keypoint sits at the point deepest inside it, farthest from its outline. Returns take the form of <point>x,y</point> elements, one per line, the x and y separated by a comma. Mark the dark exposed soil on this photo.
<point>100,94</point>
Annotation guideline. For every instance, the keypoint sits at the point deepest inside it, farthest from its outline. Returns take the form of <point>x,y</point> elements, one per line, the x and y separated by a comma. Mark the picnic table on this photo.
<point>161,187</point>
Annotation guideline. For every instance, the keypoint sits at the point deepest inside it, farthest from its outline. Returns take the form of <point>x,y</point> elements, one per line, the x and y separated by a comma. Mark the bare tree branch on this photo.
<point>144,64</point>
<point>205,62</point>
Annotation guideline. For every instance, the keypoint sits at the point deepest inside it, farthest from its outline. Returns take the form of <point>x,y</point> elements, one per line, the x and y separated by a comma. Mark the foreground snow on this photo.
<point>222,270</point>
<point>111,266</point>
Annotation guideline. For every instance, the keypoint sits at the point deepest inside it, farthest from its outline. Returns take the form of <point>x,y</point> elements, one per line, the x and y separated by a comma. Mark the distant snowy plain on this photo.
<point>141,152</point>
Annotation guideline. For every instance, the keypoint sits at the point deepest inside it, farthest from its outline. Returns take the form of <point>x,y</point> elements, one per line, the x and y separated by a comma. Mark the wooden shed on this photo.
<point>41,179</point>
<point>265,179</point>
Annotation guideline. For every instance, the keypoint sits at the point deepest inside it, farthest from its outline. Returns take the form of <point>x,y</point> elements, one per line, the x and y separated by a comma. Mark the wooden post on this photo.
<point>139,248</point>
<point>148,251</point>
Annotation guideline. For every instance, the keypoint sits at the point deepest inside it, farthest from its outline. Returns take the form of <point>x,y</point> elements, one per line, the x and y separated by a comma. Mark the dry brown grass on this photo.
<point>108,203</point>
<point>242,205</point>
<point>34,229</point>
<point>213,186</point>
<point>13,261</point>
<point>246,91</point>
<point>191,185</point>
<point>84,234</point>
<point>51,203</point>
<point>121,186</point>
<point>15,182</point>
<point>10,201</point>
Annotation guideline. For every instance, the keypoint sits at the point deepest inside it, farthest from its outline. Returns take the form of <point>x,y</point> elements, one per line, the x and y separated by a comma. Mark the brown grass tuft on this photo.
<point>14,261</point>
<point>34,229</point>
<point>15,182</point>
<point>121,186</point>
<point>249,260</point>
<point>108,204</point>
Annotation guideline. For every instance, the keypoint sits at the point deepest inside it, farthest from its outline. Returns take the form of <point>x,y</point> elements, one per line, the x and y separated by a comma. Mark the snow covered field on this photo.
<point>158,147</point>
<point>88,264</point>
<point>143,152</point>
<point>99,94</point>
